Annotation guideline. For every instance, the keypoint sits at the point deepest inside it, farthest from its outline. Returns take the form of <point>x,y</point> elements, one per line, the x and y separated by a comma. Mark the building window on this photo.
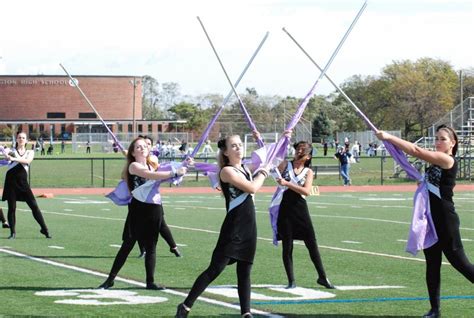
<point>87,115</point>
<point>30,129</point>
<point>130,128</point>
<point>150,128</point>
<point>63,128</point>
<point>160,128</point>
<point>140,128</point>
<point>120,128</point>
<point>41,128</point>
<point>55,115</point>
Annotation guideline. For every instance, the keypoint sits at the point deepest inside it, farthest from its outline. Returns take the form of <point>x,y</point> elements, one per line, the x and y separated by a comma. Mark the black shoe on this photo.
<point>12,236</point>
<point>181,311</point>
<point>142,254</point>
<point>5,225</point>
<point>326,283</point>
<point>107,284</point>
<point>433,313</point>
<point>175,251</point>
<point>153,286</point>
<point>45,233</point>
<point>291,285</point>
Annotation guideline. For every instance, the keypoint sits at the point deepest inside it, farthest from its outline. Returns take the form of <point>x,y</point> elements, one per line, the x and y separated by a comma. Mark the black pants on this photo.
<point>124,251</point>
<point>458,260</point>
<point>287,256</point>
<point>165,233</point>
<point>2,217</point>
<point>218,263</point>
<point>31,201</point>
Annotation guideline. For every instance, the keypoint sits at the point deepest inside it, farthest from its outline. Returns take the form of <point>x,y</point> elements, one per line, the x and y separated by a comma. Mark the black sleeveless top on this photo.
<point>230,191</point>
<point>445,218</point>
<point>238,234</point>
<point>135,181</point>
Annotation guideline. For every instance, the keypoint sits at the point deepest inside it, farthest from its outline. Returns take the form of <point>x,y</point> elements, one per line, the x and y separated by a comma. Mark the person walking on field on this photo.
<point>294,221</point>
<point>441,180</point>
<point>343,155</point>
<point>16,186</point>
<point>238,235</point>
<point>144,219</point>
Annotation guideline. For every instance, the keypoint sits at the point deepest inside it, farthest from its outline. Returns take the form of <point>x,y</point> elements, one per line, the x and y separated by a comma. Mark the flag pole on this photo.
<point>226,99</point>
<point>244,110</point>
<point>75,84</point>
<point>369,123</point>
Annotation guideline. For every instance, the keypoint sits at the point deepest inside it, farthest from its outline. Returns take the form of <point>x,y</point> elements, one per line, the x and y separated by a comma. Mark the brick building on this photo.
<point>51,105</point>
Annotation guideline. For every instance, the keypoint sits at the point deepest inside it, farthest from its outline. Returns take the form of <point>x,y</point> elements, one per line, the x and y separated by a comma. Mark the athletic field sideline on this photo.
<point>361,232</point>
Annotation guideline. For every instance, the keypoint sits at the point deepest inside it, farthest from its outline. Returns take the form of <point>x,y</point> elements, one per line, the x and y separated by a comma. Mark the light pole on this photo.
<point>134,82</point>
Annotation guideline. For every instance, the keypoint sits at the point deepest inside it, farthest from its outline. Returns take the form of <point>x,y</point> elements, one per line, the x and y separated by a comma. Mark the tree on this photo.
<point>408,95</point>
<point>169,95</point>
<point>193,114</point>
<point>467,84</point>
<point>422,91</point>
<point>322,127</point>
<point>150,98</point>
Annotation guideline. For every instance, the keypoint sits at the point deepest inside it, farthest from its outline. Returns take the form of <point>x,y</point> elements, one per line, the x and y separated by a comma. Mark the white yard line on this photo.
<point>130,281</point>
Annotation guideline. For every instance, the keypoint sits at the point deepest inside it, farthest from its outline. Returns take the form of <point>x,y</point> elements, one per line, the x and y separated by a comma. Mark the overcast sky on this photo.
<point>164,39</point>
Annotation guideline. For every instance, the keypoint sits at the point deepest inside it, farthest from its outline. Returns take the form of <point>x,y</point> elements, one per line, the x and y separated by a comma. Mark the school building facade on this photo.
<point>50,105</point>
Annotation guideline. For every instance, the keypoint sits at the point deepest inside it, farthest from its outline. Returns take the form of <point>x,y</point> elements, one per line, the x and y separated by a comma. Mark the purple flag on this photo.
<point>120,195</point>
<point>4,151</point>
<point>422,230</point>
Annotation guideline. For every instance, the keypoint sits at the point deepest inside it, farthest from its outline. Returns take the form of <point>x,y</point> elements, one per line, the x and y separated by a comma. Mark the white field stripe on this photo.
<point>210,208</point>
<point>358,218</point>
<point>322,246</point>
<point>329,216</point>
<point>130,281</point>
<point>260,238</point>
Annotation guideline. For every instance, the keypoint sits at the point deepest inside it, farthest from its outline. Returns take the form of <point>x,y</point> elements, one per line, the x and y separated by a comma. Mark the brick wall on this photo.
<point>32,97</point>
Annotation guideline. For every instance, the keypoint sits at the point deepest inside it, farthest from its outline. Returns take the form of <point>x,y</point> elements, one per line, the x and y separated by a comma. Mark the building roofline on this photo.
<point>94,76</point>
<point>71,121</point>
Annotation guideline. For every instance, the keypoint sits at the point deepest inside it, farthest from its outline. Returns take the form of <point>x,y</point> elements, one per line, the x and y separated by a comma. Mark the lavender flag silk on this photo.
<point>422,230</point>
<point>4,151</point>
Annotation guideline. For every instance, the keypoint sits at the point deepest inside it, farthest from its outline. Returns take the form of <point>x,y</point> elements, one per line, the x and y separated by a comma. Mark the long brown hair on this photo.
<point>130,158</point>
<point>452,134</point>
<point>222,160</point>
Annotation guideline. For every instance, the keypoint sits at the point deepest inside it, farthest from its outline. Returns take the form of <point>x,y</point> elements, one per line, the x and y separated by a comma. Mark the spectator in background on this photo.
<point>325,148</point>
<point>346,143</point>
<point>344,164</point>
<point>183,147</point>
<point>355,151</point>
<point>50,149</point>
<point>88,147</point>
<point>41,143</point>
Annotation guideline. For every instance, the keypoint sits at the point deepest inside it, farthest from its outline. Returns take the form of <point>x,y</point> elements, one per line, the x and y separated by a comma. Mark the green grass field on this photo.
<point>92,171</point>
<point>361,238</point>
